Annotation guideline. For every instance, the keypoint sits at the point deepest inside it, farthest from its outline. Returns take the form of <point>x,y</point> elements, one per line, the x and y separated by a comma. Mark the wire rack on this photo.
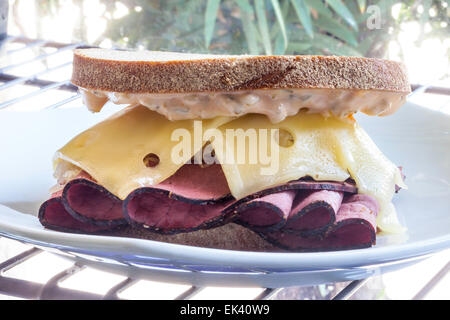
<point>42,51</point>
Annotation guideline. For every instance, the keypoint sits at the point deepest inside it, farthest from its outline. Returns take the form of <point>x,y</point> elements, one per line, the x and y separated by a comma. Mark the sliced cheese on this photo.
<point>312,153</point>
<point>112,151</point>
<point>322,148</point>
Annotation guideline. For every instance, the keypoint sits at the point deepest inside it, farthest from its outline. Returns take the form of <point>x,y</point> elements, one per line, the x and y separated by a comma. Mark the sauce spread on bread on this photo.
<point>276,104</point>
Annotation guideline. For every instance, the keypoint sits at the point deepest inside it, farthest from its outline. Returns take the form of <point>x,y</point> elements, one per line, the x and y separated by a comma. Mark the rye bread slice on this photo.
<point>229,237</point>
<point>171,72</point>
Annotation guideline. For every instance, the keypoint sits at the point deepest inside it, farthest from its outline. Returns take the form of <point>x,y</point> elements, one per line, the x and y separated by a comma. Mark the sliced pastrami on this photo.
<point>197,197</point>
<point>355,227</point>
<point>313,212</point>
<point>53,215</point>
<point>267,212</point>
<point>193,198</point>
<point>359,206</point>
<point>198,184</point>
<point>298,185</point>
<point>156,210</point>
<point>88,201</point>
<point>348,186</point>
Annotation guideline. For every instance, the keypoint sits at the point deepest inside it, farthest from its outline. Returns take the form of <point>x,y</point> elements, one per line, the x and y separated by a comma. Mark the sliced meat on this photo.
<point>313,212</point>
<point>157,210</point>
<point>355,227</point>
<point>193,198</point>
<point>89,202</point>
<point>53,215</point>
<point>199,198</point>
<point>198,184</point>
<point>359,206</point>
<point>303,184</point>
<point>299,215</point>
<point>267,212</point>
<point>314,207</point>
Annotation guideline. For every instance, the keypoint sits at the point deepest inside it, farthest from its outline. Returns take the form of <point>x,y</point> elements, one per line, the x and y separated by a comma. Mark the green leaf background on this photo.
<point>323,27</point>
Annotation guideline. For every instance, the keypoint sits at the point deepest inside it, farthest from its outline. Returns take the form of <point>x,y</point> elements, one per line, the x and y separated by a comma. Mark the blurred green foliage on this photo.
<point>351,27</point>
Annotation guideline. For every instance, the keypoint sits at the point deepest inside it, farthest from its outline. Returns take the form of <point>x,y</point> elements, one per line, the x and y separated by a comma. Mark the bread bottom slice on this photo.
<point>229,236</point>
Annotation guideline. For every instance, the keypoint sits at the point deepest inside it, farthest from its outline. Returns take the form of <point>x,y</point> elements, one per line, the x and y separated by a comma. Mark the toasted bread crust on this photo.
<point>156,72</point>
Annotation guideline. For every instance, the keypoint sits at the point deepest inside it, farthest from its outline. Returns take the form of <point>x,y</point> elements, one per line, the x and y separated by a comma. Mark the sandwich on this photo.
<point>237,152</point>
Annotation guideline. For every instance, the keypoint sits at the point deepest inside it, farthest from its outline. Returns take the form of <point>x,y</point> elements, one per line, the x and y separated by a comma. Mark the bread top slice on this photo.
<point>172,72</point>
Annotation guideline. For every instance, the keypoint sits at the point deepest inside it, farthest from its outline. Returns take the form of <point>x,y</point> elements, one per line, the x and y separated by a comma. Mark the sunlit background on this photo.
<point>416,32</point>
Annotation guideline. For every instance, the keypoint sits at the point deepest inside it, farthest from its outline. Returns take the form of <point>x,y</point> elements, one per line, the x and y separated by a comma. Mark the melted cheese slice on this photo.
<point>322,148</point>
<point>112,151</point>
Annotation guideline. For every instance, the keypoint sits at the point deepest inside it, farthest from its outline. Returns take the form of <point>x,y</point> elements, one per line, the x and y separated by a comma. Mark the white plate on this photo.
<point>415,137</point>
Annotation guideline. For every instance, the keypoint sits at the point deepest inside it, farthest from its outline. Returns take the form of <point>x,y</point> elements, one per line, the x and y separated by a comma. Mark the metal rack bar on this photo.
<point>48,289</point>
<point>4,77</point>
<point>47,43</point>
<point>12,262</point>
<point>433,282</point>
<point>267,293</point>
<point>62,102</point>
<point>59,293</point>
<point>46,88</point>
<point>19,288</point>
<point>189,293</point>
<point>22,80</point>
<point>350,289</point>
<point>28,45</point>
<point>40,57</point>
<point>113,293</point>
